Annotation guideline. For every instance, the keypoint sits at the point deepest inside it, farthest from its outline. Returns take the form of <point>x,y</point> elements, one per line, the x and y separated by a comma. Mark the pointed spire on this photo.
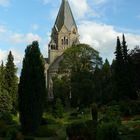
<point>65,17</point>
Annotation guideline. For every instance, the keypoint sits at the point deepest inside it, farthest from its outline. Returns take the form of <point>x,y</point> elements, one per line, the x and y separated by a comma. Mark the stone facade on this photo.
<point>64,35</point>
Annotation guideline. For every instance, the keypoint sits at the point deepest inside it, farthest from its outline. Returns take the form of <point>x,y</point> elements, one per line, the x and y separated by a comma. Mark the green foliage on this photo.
<point>8,85</point>
<point>44,131</point>
<point>123,73</point>
<point>130,107</point>
<point>2,79</point>
<point>5,101</point>
<point>76,129</point>
<point>108,131</point>
<point>81,130</point>
<point>61,90</point>
<point>94,110</point>
<point>17,136</point>
<point>7,118</point>
<point>3,129</point>
<point>81,88</point>
<point>11,80</point>
<point>111,114</point>
<point>32,89</point>
<point>102,84</point>
<point>80,58</point>
<point>58,109</point>
<point>79,61</point>
<point>135,59</point>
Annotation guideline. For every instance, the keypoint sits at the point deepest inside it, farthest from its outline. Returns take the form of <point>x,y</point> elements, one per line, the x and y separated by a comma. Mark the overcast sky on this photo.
<point>99,23</point>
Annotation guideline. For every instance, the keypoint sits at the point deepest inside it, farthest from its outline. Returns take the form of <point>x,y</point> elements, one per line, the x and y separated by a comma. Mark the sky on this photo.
<point>99,23</point>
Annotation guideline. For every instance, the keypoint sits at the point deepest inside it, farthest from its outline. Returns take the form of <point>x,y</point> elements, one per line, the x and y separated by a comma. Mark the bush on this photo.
<point>17,136</point>
<point>58,109</point>
<point>111,114</point>
<point>108,131</point>
<point>29,138</point>
<point>7,118</point>
<point>76,129</point>
<point>3,129</point>
<point>8,131</point>
<point>81,130</point>
<point>43,131</point>
<point>130,107</point>
<point>94,110</point>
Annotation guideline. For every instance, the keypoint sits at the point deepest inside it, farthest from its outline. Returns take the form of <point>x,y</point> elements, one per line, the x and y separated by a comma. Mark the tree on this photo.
<point>11,80</point>
<point>107,86</point>
<point>81,88</point>
<point>123,74</point>
<point>124,50</point>
<point>127,78</point>
<point>79,62</point>
<point>32,89</point>
<point>80,57</point>
<point>135,59</point>
<point>5,99</point>
<point>58,108</point>
<point>2,82</point>
<point>118,71</point>
<point>97,85</point>
<point>61,90</point>
<point>5,102</point>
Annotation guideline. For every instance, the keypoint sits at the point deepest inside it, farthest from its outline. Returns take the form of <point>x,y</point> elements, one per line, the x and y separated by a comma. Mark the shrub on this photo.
<point>3,129</point>
<point>112,113</point>
<point>76,129</point>
<point>58,109</point>
<point>130,107</point>
<point>7,118</point>
<point>44,131</point>
<point>108,131</point>
<point>17,136</point>
<point>94,110</point>
<point>81,130</point>
<point>29,138</point>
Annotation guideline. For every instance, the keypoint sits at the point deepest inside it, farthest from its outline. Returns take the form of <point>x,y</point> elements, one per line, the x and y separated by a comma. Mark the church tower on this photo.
<point>64,35</point>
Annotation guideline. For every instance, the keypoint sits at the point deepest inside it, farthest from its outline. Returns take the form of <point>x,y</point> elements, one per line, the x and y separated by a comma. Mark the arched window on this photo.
<point>64,40</point>
<point>67,41</point>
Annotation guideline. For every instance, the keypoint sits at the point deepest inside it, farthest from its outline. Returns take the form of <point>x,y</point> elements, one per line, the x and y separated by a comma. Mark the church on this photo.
<point>64,34</point>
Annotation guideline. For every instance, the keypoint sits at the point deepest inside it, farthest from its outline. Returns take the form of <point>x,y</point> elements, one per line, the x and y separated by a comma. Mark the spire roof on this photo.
<point>65,16</point>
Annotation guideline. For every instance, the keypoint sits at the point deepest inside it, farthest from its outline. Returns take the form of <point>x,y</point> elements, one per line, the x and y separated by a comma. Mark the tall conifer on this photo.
<point>11,80</point>
<point>32,89</point>
<point>118,71</point>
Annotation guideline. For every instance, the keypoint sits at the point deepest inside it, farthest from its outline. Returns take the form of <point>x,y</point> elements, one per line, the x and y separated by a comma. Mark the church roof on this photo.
<point>65,17</point>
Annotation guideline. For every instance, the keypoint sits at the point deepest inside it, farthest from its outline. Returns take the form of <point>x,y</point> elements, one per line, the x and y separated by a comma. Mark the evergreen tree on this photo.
<point>118,71</point>
<point>5,99</point>
<point>124,50</point>
<point>97,85</point>
<point>127,72</point>
<point>119,55</point>
<point>2,76</point>
<point>107,90</point>
<point>32,89</point>
<point>11,80</point>
<point>123,75</point>
<point>135,59</point>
